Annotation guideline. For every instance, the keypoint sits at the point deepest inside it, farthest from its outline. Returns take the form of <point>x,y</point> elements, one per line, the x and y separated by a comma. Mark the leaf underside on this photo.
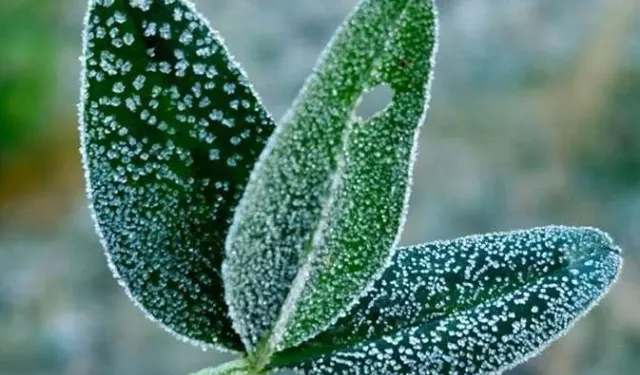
<point>475,305</point>
<point>170,132</point>
<point>324,206</point>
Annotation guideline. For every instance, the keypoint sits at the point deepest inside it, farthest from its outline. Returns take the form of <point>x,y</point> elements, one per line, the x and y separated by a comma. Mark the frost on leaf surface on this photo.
<point>475,305</point>
<point>324,206</point>
<point>170,132</point>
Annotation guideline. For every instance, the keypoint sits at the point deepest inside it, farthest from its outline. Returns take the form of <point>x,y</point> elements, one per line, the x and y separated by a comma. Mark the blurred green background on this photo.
<point>535,119</point>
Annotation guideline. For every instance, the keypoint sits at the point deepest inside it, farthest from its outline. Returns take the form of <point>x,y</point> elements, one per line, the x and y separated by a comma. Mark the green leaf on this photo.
<point>324,206</point>
<point>475,305</point>
<point>170,132</point>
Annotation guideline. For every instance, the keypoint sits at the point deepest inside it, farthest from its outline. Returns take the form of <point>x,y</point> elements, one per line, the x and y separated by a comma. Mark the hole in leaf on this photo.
<point>374,101</point>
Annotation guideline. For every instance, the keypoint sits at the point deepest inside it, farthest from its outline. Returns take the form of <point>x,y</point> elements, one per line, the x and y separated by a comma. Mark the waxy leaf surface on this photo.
<point>170,132</point>
<point>471,306</point>
<point>324,207</point>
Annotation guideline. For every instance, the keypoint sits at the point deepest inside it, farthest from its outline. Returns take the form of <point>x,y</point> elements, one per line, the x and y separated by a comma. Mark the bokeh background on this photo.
<point>535,119</point>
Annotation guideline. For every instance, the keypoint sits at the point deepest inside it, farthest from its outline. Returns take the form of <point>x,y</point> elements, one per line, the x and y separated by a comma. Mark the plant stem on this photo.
<point>237,367</point>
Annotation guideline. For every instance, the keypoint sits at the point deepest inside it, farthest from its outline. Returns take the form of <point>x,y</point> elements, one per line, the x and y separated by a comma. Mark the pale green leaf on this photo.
<point>324,206</point>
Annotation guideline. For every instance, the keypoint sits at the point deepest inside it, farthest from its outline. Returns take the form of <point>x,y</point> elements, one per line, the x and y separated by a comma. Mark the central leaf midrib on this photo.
<point>266,349</point>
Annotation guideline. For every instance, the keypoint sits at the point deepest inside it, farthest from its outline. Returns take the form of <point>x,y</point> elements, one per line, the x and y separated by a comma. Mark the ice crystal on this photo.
<point>325,204</point>
<point>163,169</point>
<point>475,305</point>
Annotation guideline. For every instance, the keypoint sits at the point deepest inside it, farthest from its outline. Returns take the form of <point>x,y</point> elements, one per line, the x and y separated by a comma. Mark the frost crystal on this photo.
<point>157,161</point>
<point>475,305</point>
<point>324,206</point>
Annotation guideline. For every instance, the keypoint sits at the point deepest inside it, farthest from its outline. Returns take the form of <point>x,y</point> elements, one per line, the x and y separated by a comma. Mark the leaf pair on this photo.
<point>231,241</point>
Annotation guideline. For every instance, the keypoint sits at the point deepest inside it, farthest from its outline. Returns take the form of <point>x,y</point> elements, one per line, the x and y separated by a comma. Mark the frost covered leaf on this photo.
<point>170,132</point>
<point>324,206</point>
<point>475,305</point>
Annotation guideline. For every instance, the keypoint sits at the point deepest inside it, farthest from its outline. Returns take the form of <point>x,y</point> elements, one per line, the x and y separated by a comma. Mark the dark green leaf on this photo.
<point>474,305</point>
<point>170,132</point>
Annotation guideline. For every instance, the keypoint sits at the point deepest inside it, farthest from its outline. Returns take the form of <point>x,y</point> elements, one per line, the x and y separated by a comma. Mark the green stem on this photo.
<point>237,367</point>
<point>261,356</point>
